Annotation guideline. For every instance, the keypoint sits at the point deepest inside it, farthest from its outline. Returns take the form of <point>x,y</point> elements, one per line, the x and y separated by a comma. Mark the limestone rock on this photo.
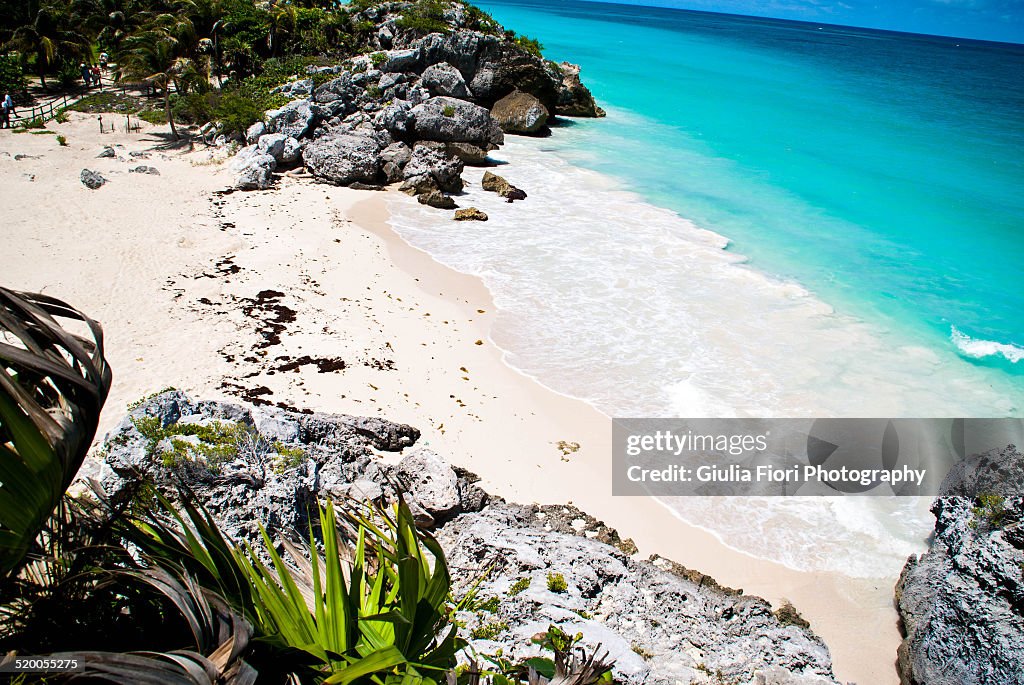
<point>253,133</point>
<point>961,602</point>
<point>143,169</point>
<point>92,180</point>
<point>429,168</point>
<point>498,184</point>
<point>344,158</point>
<point>431,482</point>
<point>447,119</point>
<point>253,169</point>
<point>444,79</point>
<point>107,152</point>
<point>470,214</point>
<point>520,112</point>
<point>437,199</point>
<point>295,119</point>
<point>574,99</point>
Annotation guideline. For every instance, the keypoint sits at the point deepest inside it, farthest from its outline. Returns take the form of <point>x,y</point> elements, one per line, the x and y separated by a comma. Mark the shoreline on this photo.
<point>830,601</point>
<point>186,305</point>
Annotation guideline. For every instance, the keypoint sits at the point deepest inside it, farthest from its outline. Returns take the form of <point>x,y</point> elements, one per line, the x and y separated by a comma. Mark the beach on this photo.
<point>303,296</point>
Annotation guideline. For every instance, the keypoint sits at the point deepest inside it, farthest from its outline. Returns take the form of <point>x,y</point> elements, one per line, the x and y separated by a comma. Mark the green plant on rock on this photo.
<point>378,58</point>
<point>531,45</point>
<point>557,582</point>
<point>519,586</point>
<point>991,510</point>
<point>448,111</point>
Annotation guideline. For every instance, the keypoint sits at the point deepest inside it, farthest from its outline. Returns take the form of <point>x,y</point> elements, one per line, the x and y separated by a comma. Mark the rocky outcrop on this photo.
<point>344,158</point>
<point>520,112</point>
<point>470,214</point>
<point>962,602</point>
<point>92,180</point>
<point>546,564</point>
<point>574,99</point>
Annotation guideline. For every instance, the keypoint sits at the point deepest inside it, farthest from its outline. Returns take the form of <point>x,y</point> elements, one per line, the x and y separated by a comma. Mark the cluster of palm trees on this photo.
<point>184,45</point>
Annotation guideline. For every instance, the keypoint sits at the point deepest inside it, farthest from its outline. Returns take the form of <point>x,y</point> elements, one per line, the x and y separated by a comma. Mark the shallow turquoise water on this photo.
<point>882,171</point>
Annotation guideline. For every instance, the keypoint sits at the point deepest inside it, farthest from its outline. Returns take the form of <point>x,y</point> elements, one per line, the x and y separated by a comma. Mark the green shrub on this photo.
<point>556,582</point>
<point>376,93</point>
<point>152,116</point>
<point>237,112</point>
<point>35,122</point>
<point>194,108</point>
<point>531,45</point>
<point>519,586</point>
<point>448,111</point>
<point>488,631</point>
<point>991,510</point>
<point>61,140</point>
<point>426,16</point>
<point>12,76</point>
<point>378,58</point>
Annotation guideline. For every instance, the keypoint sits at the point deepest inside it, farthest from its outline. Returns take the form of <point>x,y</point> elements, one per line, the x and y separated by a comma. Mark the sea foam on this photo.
<point>981,349</point>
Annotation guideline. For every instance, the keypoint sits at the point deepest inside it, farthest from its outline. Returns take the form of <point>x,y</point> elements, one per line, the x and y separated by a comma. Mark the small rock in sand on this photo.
<point>143,169</point>
<point>107,152</point>
<point>436,198</point>
<point>91,179</point>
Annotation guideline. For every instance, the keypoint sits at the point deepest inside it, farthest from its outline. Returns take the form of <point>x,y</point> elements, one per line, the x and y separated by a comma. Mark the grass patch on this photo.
<point>62,140</point>
<point>119,103</point>
<point>152,116</point>
<point>43,132</point>
<point>288,457</point>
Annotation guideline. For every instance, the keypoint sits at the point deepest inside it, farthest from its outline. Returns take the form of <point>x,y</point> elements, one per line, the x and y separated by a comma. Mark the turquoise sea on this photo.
<point>884,171</point>
<point>774,219</point>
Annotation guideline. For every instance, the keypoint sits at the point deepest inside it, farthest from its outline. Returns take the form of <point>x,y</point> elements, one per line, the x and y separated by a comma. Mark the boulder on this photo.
<point>447,119</point>
<point>469,154</point>
<point>431,482</point>
<point>108,152</point>
<point>91,179</point>
<point>960,602</point>
<point>143,169</point>
<point>470,214</point>
<point>574,99</point>
<point>444,79</point>
<point>291,152</point>
<point>295,119</point>
<point>396,118</point>
<point>437,199</point>
<point>393,160</point>
<point>429,168</point>
<point>272,144</point>
<point>512,68</point>
<point>498,184</point>
<point>253,133</point>
<point>255,171</point>
<point>344,158</point>
<point>520,112</point>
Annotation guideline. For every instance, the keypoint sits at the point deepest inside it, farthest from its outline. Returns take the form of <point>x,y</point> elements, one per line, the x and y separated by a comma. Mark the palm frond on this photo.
<point>53,384</point>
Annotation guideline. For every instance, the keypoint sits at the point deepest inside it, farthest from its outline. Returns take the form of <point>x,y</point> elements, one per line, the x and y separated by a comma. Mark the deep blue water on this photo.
<point>882,171</point>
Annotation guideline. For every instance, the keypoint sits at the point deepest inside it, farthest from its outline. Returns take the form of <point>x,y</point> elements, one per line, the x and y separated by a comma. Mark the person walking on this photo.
<point>104,58</point>
<point>85,73</point>
<point>6,111</point>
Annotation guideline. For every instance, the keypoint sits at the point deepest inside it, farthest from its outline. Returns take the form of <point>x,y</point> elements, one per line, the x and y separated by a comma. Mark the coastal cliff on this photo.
<point>530,566</point>
<point>962,602</point>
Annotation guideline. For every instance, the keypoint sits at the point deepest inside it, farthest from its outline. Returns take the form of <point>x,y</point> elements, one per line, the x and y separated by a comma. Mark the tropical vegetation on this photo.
<point>151,591</point>
<point>205,59</point>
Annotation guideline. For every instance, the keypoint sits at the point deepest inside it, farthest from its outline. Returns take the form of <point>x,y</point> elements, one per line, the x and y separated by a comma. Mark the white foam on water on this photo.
<point>606,297</point>
<point>980,349</point>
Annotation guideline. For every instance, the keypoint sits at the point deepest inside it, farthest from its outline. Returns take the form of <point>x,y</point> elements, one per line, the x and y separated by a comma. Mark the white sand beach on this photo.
<point>266,294</point>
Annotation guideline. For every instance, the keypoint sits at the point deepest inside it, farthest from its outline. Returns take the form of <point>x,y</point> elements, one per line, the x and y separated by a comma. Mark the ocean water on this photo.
<point>775,219</point>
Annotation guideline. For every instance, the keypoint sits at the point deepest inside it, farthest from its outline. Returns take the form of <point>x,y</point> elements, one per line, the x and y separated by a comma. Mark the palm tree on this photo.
<point>50,38</point>
<point>53,384</point>
<point>282,19</point>
<point>159,56</point>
